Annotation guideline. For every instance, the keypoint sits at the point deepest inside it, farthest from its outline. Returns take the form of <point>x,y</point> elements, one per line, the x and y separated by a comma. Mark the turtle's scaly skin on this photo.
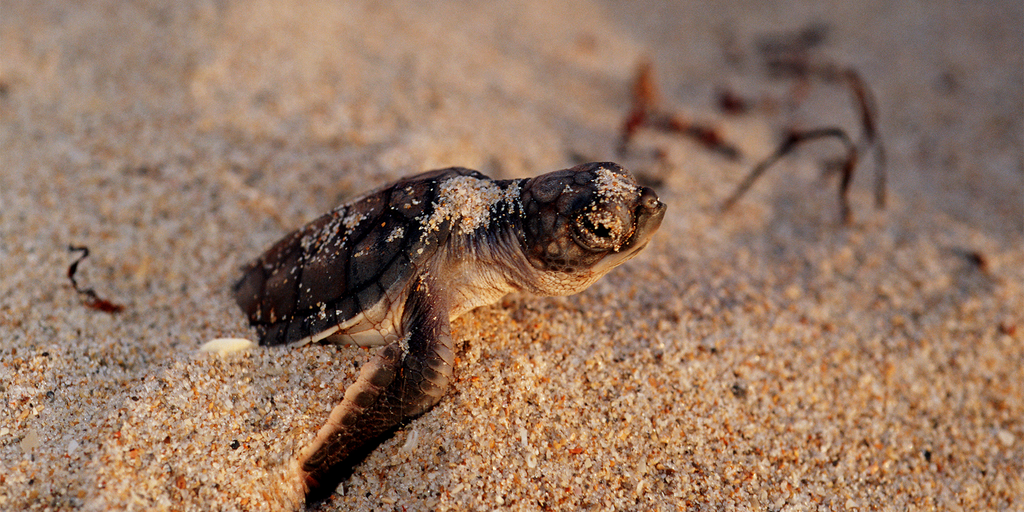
<point>395,266</point>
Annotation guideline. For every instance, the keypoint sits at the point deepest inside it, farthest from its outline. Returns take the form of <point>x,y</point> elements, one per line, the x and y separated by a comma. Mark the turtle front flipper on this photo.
<point>401,381</point>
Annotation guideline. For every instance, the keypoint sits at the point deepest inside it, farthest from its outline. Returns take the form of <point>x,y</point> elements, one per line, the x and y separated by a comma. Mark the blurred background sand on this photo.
<point>763,358</point>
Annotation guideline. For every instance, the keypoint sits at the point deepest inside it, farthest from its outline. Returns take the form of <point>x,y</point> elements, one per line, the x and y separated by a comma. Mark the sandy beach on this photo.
<point>768,357</point>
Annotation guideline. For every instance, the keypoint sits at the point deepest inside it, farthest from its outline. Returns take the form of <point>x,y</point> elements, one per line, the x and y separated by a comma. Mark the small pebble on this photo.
<point>1006,437</point>
<point>30,441</point>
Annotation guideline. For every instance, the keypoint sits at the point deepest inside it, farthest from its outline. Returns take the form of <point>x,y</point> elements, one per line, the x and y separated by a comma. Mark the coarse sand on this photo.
<point>763,358</point>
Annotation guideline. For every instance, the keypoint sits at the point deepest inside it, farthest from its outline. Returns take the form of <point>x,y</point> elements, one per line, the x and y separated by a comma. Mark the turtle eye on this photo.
<point>598,229</point>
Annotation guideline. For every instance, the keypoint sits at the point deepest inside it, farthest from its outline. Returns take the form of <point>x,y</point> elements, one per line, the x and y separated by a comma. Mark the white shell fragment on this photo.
<point>225,346</point>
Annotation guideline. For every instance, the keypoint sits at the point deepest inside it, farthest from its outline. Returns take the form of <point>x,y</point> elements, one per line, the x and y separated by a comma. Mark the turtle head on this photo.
<point>579,223</point>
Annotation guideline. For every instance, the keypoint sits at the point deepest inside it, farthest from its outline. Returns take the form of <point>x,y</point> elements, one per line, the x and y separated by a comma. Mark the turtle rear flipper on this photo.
<point>403,380</point>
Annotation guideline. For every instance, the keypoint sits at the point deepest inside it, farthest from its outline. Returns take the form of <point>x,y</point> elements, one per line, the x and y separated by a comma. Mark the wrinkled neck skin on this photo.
<point>482,266</point>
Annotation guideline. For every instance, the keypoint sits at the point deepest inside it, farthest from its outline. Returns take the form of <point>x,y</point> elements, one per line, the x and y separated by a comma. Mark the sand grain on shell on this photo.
<point>466,202</point>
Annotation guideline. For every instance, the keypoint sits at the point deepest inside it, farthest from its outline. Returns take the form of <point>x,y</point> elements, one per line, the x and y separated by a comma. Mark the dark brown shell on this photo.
<point>335,268</point>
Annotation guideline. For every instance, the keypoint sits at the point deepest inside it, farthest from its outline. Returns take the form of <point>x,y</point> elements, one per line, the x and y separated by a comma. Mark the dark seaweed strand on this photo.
<point>93,300</point>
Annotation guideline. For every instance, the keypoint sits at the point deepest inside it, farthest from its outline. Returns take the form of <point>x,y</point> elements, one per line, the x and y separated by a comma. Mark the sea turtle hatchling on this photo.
<point>396,265</point>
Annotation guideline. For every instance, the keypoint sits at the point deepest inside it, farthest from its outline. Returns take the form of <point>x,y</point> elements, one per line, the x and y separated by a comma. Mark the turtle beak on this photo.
<point>648,214</point>
<point>647,217</point>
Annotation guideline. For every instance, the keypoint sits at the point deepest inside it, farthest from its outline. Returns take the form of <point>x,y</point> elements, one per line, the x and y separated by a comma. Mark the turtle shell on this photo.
<point>345,276</point>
